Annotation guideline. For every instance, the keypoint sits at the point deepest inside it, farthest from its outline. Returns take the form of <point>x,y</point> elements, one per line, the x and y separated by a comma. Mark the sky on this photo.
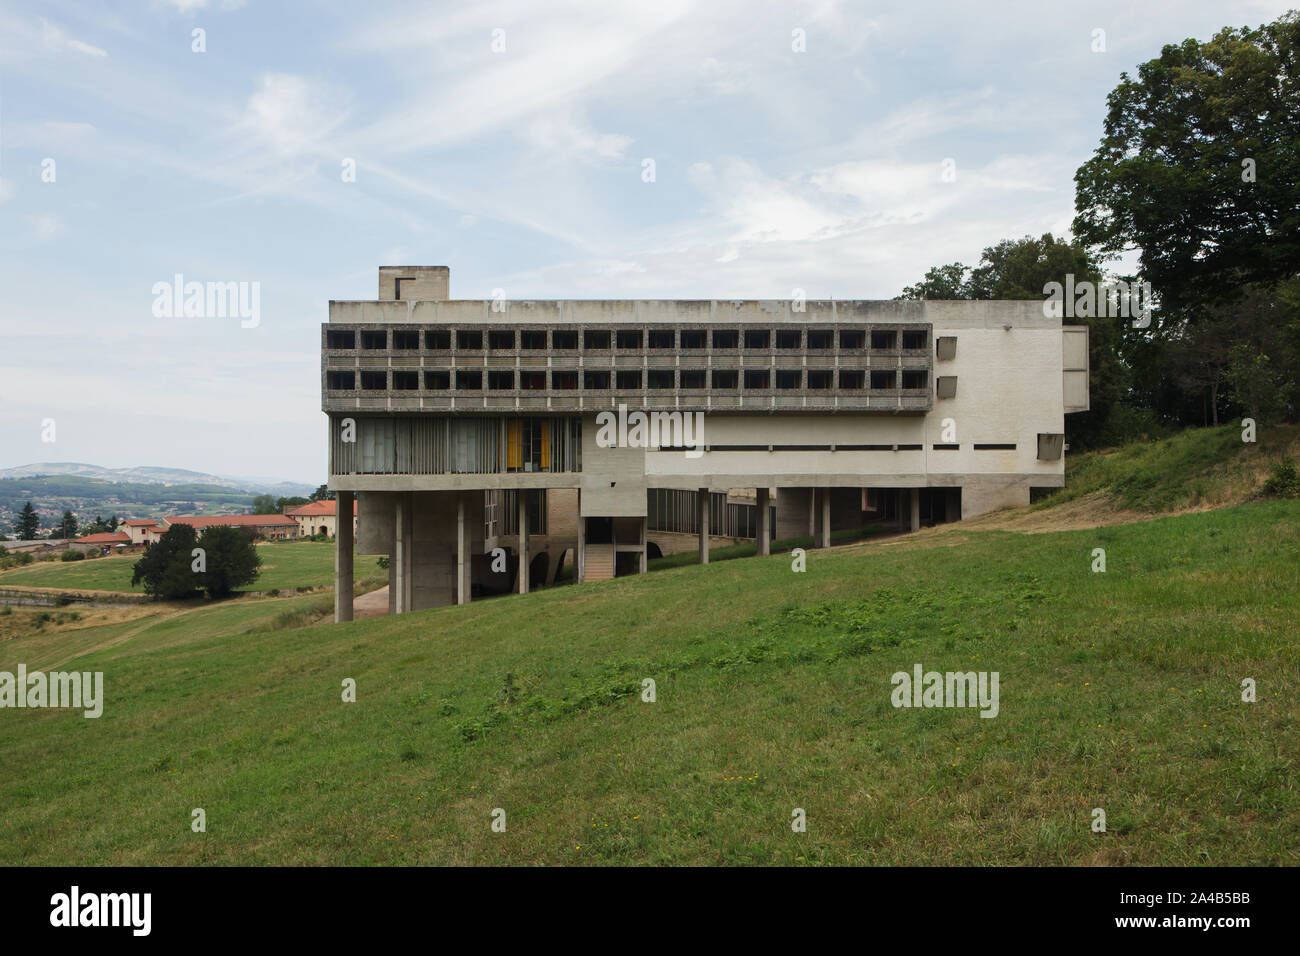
<point>797,145</point>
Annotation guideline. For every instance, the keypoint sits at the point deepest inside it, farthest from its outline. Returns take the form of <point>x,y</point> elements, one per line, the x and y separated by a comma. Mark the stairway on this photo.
<point>599,562</point>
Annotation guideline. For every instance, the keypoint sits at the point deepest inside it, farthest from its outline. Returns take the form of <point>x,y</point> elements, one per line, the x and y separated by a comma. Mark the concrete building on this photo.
<point>318,517</point>
<point>271,527</point>
<point>463,427</point>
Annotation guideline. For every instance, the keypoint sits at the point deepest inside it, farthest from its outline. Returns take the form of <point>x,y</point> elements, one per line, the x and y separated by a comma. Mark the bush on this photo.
<point>72,554</point>
<point>232,560</point>
<point>1284,482</point>
<point>166,568</point>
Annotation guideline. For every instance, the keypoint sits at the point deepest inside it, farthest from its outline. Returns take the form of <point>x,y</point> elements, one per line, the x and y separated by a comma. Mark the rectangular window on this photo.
<point>660,378</point>
<point>437,381</point>
<point>374,381</point>
<point>726,339</point>
<point>564,381</point>
<point>995,446</point>
<point>437,341</point>
<point>629,379</point>
<point>661,339</point>
<point>469,341</point>
<point>786,339</point>
<point>532,339</point>
<point>915,340</point>
<point>756,339</point>
<point>469,379</point>
<point>533,381</point>
<point>596,381</point>
<point>595,339</point>
<point>340,340</point>
<point>406,381</point>
<point>564,340</point>
<point>852,339</point>
<point>789,377</point>
<point>726,378</point>
<point>820,377</point>
<point>406,340</point>
<point>852,379</point>
<point>756,378</point>
<point>374,340</point>
<point>693,338</point>
<point>915,378</point>
<point>821,339</point>
<point>340,381</point>
<point>629,339</point>
<point>501,380</point>
<point>501,340</point>
<point>883,378</point>
<point>884,340</point>
<point>693,377</point>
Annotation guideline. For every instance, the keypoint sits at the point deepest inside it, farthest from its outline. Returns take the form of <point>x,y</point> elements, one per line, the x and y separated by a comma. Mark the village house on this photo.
<point>318,517</point>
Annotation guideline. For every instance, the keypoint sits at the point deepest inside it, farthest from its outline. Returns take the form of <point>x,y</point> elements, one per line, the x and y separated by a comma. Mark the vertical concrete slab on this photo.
<point>823,517</point>
<point>462,551</point>
<point>582,542</point>
<point>916,509</point>
<point>702,517</point>
<point>763,521</point>
<point>343,545</point>
<point>523,541</point>
<point>644,523</point>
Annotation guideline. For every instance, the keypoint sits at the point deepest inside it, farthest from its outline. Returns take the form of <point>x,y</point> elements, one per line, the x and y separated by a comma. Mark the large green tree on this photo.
<point>67,525</point>
<point>166,568</point>
<point>28,523</point>
<point>1199,166</point>
<point>231,558</point>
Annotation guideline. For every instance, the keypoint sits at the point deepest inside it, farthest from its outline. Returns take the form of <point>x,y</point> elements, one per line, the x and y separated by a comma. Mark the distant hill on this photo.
<point>154,474</point>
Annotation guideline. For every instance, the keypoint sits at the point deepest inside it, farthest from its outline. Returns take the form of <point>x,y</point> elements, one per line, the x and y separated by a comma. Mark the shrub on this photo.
<point>165,569</point>
<point>232,560</point>
<point>1284,482</point>
<point>72,554</point>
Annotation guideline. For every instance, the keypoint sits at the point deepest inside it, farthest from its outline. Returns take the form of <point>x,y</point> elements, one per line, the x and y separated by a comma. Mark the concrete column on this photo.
<point>523,541</point>
<point>916,509</point>
<point>763,520</point>
<point>462,551</point>
<point>400,578</point>
<point>702,516</point>
<point>824,518</point>
<point>644,521</point>
<point>343,550</point>
<point>582,542</point>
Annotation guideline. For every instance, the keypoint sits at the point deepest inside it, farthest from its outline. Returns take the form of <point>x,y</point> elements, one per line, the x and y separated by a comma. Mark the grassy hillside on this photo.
<point>1118,690</point>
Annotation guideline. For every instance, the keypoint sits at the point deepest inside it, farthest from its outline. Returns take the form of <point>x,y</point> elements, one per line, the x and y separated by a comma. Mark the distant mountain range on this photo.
<point>156,475</point>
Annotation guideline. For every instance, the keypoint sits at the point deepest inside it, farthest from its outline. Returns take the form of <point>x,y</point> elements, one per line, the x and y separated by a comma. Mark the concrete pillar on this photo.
<point>824,518</point>
<point>400,578</point>
<point>763,520</point>
<point>523,541</point>
<point>462,551</point>
<point>916,509</point>
<point>343,550</point>
<point>582,542</point>
<point>642,568</point>
<point>702,516</point>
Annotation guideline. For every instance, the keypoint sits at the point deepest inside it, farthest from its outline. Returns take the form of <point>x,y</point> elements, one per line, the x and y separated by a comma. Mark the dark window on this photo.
<point>820,377</point>
<point>755,377</point>
<point>374,340</point>
<point>789,377</point>
<point>374,381</point>
<point>595,340</point>
<point>437,340</point>
<point>501,339</point>
<point>469,341</point>
<point>821,339</point>
<point>663,339</point>
<point>532,380</point>
<point>340,340</point>
<point>883,340</point>
<point>851,379</point>
<point>694,338</point>
<point>726,378</point>
<point>693,377</point>
<point>406,340</point>
<point>852,340</point>
<point>501,381</point>
<point>406,381</point>
<point>914,378</point>
<point>995,446</point>
<point>628,379</point>
<point>914,340</point>
<point>726,339</point>
<point>437,381</point>
<point>564,380</point>
<point>883,378</point>
<point>564,340</point>
<point>659,377</point>
<point>785,339</point>
<point>341,381</point>
<point>629,338</point>
<point>595,380</point>
<point>469,379</point>
<point>532,339</point>
<point>756,339</point>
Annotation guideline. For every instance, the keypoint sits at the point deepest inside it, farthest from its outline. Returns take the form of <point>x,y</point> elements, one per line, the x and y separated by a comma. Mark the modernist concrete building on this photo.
<point>476,432</point>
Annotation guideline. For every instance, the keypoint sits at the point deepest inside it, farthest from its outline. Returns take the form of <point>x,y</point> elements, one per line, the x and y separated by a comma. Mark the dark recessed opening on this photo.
<point>852,379</point>
<point>662,339</point>
<point>629,379</point>
<point>726,378</point>
<point>915,340</point>
<point>883,378</point>
<point>786,339</point>
<point>437,381</point>
<point>694,338</point>
<point>852,340</point>
<point>821,339</point>
<point>469,341</point>
<point>469,379</point>
<point>501,381</point>
<point>915,378</point>
<point>564,340</point>
<point>564,381</point>
<point>406,340</point>
<point>374,381</point>
<point>595,380</point>
<point>629,339</point>
<point>374,340</point>
<point>820,377</point>
<point>595,340</point>
<point>405,381</point>
<point>883,340</point>
<point>756,378</point>
<point>659,378</point>
<point>693,377</point>
<point>534,381</point>
<point>757,338</point>
<point>532,339</point>
<point>340,340</point>
<point>726,339</point>
<point>437,340</point>
<point>501,339</point>
<point>340,381</point>
<point>789,377</point>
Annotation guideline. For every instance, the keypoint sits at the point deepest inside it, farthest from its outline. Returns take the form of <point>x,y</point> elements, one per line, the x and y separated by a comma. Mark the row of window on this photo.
<point>504,380</point>
<point>507,340</point>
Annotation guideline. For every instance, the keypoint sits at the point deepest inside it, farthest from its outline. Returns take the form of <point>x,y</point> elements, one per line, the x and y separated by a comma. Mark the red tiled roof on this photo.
<point>139,522</point>
<point>105,537</point>
<point>317,508</point>
<point>233,521</point>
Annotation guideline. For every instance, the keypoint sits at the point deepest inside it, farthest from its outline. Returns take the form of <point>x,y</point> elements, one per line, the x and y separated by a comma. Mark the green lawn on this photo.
<point>1118,690</point>
<point>293,564</point>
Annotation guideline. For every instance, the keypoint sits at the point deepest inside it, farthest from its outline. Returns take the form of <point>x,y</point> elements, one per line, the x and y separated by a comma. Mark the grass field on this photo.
<point>1119,690</point>
<point>293,564</point>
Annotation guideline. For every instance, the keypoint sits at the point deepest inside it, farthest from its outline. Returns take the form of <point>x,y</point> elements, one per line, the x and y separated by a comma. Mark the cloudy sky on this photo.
<point>507,139</point>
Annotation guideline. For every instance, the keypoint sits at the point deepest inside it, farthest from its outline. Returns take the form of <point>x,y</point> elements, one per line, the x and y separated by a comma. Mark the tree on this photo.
<point>167,569</point>
<point>322,494</point>
<point>1200,164</point>
<point>67,525</point>
<point>231,559</point>
<point>282,503</point>
<point>265,505</point>
<point>28,523</point>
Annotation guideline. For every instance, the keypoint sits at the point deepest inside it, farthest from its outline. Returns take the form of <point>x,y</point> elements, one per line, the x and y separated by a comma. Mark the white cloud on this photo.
<point>44,226</point>
<point>57,39</point>
<point>6,190</point>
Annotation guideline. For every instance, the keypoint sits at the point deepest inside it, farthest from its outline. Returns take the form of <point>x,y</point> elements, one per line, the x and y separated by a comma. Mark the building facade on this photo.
<point>464,427</point>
